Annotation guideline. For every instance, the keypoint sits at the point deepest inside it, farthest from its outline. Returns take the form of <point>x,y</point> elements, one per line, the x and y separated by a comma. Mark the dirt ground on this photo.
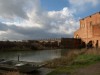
<point>93,69</point>
<point>41,71</point>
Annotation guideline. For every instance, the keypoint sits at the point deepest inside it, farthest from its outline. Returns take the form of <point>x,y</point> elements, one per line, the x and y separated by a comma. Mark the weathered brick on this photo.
<point>89,29</point>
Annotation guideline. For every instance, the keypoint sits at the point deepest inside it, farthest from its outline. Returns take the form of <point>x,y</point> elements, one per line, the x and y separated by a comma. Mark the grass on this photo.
<point>86,59</point>
<point>80,59</point>
<point>62,70</point>
<point>64,60</point>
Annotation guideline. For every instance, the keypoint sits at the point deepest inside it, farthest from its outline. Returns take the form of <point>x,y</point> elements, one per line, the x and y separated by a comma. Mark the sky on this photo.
<point>42,19</point>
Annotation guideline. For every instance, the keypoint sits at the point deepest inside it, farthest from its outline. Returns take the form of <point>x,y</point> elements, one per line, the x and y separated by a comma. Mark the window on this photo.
<point>77,36</point>
<point>90,23</point>
<point>82,25</point>
<point>98,21</point>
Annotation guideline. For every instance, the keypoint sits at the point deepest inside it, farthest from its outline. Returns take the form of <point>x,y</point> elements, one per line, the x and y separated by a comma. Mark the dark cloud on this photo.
<point>21,33</point>
<point>13,8</point>
<point>33,33</point>
<point>40,23</point>
<point>3,27</point>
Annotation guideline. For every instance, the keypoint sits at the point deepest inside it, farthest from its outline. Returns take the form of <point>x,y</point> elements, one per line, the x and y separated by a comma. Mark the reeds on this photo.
<point>93,51</point>
<point>64,60</point>
<point>70,56</point>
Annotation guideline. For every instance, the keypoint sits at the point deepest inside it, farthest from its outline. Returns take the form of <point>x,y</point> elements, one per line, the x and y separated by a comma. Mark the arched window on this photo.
<point>90,23</point>
<point>77,36</point>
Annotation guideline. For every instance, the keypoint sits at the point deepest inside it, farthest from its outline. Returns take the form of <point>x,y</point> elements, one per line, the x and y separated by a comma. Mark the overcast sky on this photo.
<point>42,19</point>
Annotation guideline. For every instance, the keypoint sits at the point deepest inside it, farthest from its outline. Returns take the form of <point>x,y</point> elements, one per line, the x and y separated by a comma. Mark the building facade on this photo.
<point>89,29</point>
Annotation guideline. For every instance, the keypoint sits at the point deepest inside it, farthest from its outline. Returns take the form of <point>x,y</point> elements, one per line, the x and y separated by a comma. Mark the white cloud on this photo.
<point>62,21</point>
<point>40,23</point>
<point>83,2</point>
<point>82,5</point>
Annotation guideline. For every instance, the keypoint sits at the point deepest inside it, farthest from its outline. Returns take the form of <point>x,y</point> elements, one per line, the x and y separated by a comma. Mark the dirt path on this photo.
<point>93,69</point>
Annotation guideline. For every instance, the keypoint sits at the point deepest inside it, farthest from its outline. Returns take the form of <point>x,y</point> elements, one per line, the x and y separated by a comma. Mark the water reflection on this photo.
<point>32,56</point>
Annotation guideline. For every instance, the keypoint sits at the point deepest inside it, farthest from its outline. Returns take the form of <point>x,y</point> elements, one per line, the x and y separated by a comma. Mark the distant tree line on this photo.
<point>66,43</point>
<point>27,45</point>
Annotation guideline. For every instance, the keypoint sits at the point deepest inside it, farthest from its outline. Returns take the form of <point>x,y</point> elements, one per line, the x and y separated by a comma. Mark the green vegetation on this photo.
<point>63,70</point>
<point>81,60</point>
<point>86,59</point>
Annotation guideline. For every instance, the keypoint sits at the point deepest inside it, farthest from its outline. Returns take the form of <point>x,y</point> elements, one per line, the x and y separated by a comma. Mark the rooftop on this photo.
<point>90,15</point>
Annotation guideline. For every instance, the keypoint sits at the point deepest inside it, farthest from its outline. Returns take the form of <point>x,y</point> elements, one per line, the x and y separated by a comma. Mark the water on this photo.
<point>31,56</point>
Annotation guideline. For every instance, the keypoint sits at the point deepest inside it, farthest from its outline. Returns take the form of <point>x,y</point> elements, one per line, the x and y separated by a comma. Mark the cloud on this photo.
<point>83,2</point>
<point>62,21</point>
<point>83,5</point>
<point>3,27</point>
<point>20,33</point>
<point>17,8</point>
<point>40,23</point>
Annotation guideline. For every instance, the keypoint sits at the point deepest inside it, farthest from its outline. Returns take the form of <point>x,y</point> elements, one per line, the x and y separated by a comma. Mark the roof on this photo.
<point>90,15</point>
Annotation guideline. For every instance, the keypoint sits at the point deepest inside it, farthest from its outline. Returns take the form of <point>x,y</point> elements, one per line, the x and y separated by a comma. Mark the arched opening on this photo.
<point>77,36</point>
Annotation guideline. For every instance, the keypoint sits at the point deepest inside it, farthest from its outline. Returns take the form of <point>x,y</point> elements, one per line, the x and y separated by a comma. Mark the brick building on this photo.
<point>89,29</point>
